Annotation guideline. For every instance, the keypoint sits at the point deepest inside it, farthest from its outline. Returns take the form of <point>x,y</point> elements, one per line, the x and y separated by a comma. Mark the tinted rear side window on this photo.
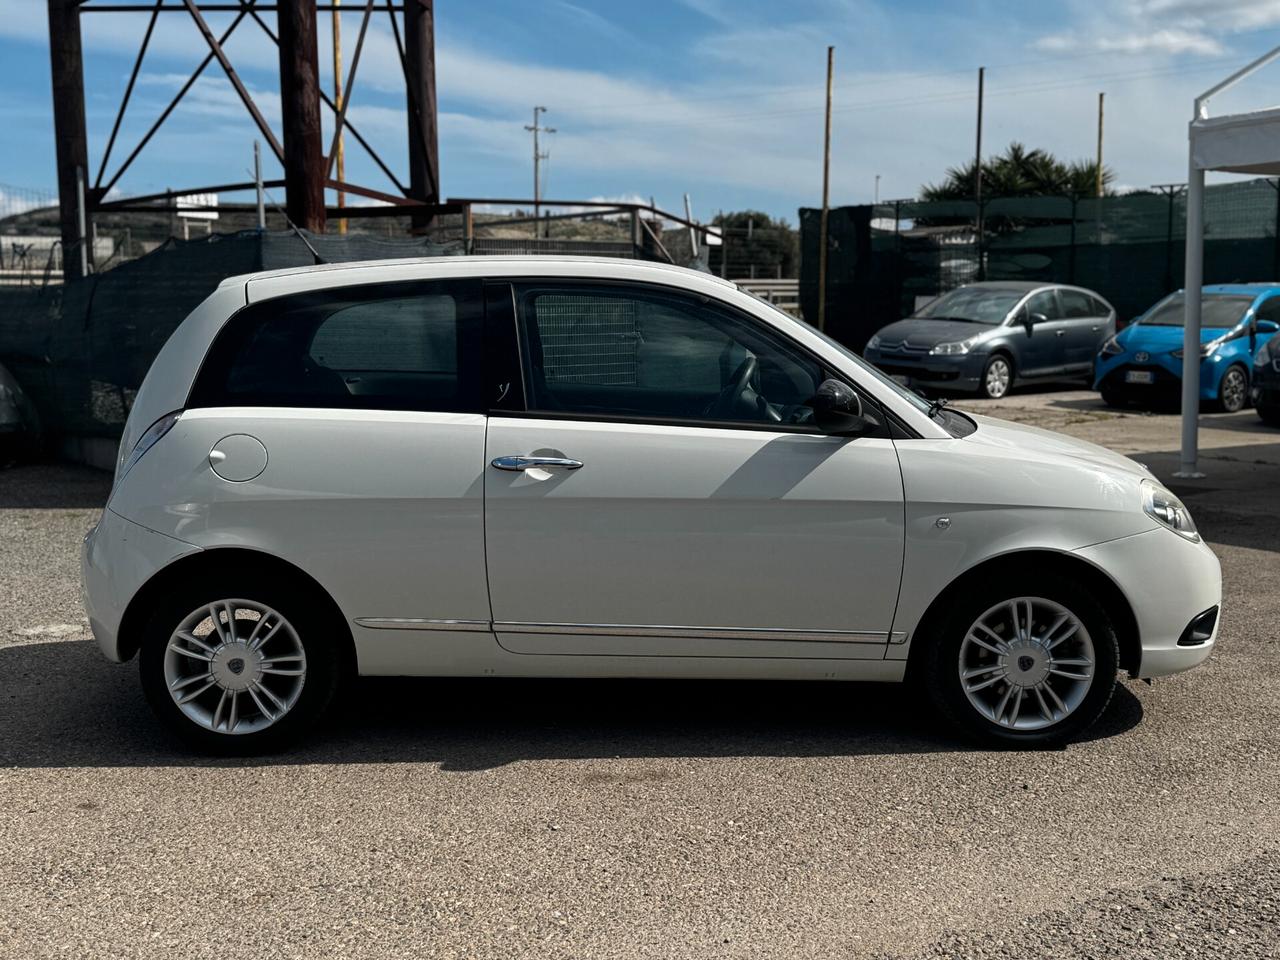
<point>1076,304</point>
<point>401,346</point>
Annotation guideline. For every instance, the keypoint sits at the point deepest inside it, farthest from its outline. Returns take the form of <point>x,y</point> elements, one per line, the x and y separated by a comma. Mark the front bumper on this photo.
<point>1168,581</point>
<point>117,558</point>
<point>1164,369</point>
<point>959,371</point>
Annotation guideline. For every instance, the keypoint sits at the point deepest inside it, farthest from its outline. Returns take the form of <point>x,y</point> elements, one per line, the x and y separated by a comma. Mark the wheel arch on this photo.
<point>221,560</point>
<point>1052,562</point>
<point>1244,366</point>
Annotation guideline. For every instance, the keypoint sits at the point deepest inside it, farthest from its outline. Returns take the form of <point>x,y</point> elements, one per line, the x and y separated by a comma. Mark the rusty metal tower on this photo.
<point>308,167</point>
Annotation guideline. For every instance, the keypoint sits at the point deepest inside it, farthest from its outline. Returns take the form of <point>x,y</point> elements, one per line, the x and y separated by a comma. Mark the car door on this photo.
<point>1087,323</point>
<point>1039,336</point>
<point>658,490</point>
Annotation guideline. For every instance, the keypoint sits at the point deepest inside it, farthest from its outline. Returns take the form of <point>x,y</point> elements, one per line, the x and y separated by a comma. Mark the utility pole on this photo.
<point>826,197</point>
<point>877,193</point>
<point>1099,185</point>
<point>340,168</point>
<point>538,157</point>
<point>977,171</point>
<point>257,183</point>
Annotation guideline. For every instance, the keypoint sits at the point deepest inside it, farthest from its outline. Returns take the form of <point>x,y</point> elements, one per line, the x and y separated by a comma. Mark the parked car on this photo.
<point>591,468</point>
<point>1144,360</point>
<point>1265,391</point>
<point>985,336</point>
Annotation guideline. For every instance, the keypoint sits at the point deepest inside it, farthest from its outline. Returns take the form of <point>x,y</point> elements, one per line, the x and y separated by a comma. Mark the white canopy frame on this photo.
<point>1238,143</point>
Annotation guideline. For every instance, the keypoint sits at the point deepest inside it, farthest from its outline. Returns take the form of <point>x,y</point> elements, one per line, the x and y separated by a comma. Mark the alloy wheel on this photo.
<point>235,666</point>
<point>997,378</point>
<point>1233,391</point>
<point>1027,663</point>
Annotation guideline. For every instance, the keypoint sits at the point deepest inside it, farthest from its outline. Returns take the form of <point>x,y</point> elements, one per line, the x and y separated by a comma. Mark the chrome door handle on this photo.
<point>528,463</point>
<point>1060,333</point>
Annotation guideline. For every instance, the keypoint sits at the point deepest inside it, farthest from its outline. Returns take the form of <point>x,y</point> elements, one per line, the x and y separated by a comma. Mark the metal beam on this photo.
<point>191,191</point>
<point>418,60</point>
<point>371,194</point>
<point>164,115</point>
<point>128,92</point>
<point>89,7</point>
<point>341,119</point>
<point>240,89</point>
<point>300,93</point>
<point>328,101</point>
<point>67,63</point>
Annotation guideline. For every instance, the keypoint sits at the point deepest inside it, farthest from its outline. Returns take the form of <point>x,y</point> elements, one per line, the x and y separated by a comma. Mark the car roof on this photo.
<point>508,264</point>
<point>1243,289</point>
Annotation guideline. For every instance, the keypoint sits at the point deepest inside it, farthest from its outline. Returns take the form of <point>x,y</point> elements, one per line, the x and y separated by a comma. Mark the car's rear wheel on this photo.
<point>1028,661</point>
<point>239,665</point>
<point>1233,391</point>
<point>997,377</point>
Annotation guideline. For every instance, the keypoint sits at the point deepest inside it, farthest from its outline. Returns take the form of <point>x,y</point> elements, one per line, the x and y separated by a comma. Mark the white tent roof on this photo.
<point>1239,143</point>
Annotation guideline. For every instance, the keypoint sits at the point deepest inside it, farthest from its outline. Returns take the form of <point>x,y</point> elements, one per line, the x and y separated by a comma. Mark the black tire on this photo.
<point>1113,397</point>
<point>1237,399</point>
<point>984,387</point>
<point>1270,415</point>
<point>940,663</point>
<point>309,616</point>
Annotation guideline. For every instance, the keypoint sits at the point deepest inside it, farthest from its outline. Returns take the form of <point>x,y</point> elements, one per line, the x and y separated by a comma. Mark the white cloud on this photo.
<point>1173,27</point>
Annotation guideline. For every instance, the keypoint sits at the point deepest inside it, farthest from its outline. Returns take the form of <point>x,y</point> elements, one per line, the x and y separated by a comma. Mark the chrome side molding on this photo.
<point>634,630</point>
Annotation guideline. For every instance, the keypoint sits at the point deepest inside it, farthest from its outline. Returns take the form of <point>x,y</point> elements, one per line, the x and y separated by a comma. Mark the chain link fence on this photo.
<point>885,259</point>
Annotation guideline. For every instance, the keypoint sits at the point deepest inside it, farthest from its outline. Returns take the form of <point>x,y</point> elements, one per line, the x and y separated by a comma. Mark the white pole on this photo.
<point>1191,330</point>
<point>80,224</point>
<point>257,182</point>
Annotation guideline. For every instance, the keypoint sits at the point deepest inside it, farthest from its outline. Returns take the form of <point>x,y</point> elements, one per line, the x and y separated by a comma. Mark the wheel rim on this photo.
<point>235,666</point>
<point>1233,390</point>
<point>1027,663</point>
<point>997,378</point>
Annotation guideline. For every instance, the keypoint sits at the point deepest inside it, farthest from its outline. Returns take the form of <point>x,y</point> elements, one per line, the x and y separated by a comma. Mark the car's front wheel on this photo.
<point>997,377</point>
<point>1233,391</point>
<point>239,664</point>
<point>1028,661</point>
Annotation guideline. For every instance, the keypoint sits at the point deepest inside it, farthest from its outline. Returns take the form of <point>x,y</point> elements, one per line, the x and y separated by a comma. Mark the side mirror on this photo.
<point>837,410</point>
<point>1266,326</point>
<point>1031,319</point>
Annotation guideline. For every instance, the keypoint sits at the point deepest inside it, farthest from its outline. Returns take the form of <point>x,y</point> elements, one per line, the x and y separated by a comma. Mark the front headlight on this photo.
<point>1111,348</point>
<point>1207,350</point>
<point>874,342</point>
<point>959,346</point>
<point>1166,509</point>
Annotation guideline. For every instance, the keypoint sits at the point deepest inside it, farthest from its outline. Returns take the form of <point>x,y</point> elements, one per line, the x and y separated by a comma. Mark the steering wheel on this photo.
<point>740,393</point>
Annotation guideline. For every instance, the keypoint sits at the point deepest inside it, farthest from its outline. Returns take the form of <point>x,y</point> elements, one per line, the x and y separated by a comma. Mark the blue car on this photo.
<point>1143,362</point>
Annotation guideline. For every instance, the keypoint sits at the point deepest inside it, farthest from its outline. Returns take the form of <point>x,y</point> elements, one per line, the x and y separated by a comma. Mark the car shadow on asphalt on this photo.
<point>62,705</point>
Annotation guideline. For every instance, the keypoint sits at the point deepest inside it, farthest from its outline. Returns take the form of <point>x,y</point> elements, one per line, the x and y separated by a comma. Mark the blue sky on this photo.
<point>716,98</point>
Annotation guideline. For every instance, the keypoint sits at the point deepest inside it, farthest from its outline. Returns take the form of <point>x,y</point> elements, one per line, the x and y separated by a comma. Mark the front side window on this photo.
<point>1042,305</point>
<point>628,352</point>
<point>401,346</point>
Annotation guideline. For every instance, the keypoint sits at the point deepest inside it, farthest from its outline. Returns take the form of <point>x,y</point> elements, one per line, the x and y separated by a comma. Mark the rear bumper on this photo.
<point>1168,582</point>
<point>117,558</point>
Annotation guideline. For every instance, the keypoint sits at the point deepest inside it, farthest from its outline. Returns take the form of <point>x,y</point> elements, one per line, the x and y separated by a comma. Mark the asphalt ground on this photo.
<point>666,820</point>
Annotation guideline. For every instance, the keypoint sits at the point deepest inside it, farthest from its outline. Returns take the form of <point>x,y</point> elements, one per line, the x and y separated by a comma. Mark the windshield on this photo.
<point>989,305</point>
<point>1216,310</point>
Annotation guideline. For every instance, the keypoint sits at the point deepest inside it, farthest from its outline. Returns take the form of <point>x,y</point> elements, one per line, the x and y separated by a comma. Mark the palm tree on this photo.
<point>1020,172</point>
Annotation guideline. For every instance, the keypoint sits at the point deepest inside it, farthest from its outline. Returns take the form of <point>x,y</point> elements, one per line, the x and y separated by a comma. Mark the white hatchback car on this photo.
<point>590,468</point>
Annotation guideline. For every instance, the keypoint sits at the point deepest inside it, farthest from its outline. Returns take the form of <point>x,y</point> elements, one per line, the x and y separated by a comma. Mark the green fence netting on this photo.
<point>81,349</point>
<point>884,259</point>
